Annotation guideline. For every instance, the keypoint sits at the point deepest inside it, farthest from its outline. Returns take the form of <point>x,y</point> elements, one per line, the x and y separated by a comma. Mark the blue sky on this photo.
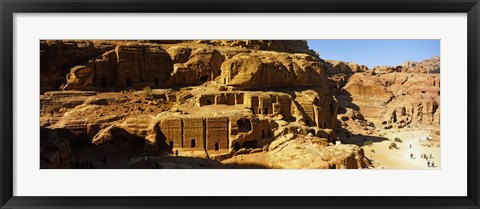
<point>376,52</point>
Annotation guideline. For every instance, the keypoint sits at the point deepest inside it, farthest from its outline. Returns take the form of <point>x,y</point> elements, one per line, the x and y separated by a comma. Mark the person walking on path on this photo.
<point>411,155</point>
<point>176,153</point>
<point>428,163</point>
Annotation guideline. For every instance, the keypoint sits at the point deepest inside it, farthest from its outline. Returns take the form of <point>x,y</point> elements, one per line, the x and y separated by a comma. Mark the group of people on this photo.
<point>430,163</point>
<point>83,165</point>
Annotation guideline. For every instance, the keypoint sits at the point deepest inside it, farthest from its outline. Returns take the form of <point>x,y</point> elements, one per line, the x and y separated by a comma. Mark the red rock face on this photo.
<point>428,66</point>
<point>57,57</point>
<point>55,149</point>
<point>136,64</point>
<point>289,46</point>
<point>208,97</point>
<point>201,65</point>
<point>80,78</point>
<point>393,97</point>
<point>336,67</point>
<point>272,70</point>
<point>143,65</point>
<point>413,92</point>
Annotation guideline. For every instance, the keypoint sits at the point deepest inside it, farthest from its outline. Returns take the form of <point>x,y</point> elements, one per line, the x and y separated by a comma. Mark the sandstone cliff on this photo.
<point>392,97</point>
<point>136,64</point>
<point>293,151</point>
<point>430,66</point>
<point>57,57</point>
<point>223,98</point>
<point>201,98</point>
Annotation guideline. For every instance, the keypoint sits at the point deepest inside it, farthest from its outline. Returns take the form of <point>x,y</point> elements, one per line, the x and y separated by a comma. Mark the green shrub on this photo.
<point>365,143</point>
<point>397,140</point>
<point>373,150</point>
<point>393,145</point>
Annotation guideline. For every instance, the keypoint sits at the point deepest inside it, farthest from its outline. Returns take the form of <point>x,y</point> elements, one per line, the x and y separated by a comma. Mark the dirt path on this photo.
<point>385,158</point>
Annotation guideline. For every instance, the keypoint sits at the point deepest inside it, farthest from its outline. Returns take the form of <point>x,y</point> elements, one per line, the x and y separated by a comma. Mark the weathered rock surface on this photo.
<point>393,99</point>
<point>289,46</point>
<point>365,94</point>
<point>130,64</point>
<point>80,78</point>
<point>272,70</point>
<point>337,67</point>
<point>142,65</point>
<point>224,98</point>
<point>58,57</point>
<point>202,65</point>
<point>429,66</point>
<point>54,149</point>
<point>136,64</point>
<point>309,152</point>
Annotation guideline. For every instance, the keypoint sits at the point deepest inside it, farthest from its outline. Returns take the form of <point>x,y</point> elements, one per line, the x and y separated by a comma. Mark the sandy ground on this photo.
<point>385,158</point>
<point>378,152</point>
<point>254,160</point>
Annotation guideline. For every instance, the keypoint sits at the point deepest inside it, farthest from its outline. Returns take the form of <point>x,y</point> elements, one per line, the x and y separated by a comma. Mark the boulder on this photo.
<point>80,78</point>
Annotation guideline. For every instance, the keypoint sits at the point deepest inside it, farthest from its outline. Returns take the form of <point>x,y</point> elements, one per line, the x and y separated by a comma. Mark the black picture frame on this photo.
<point>9,7</point>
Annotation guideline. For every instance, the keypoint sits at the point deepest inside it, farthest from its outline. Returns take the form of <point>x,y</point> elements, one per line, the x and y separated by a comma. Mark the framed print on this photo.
<point>196,104</point>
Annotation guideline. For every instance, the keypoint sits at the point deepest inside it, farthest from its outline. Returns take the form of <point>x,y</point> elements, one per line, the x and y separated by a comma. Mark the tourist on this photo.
<point>428,163</point>
<point>411,155</point>
<point>410,145</point>
<point>176,153</point>
<point>145,158</point>
<point>431,157</point>
<point>433,164</point>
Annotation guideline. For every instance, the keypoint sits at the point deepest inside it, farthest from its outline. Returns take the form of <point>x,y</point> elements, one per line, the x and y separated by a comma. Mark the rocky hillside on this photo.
<point>147,97</point>
<point>388,97</point>
<point>123,100</point>
<point>90,65</point>
<point>428,66</point>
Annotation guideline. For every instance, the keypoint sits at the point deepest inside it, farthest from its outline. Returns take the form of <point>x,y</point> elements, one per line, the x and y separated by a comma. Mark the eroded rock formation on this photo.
<point>55,148</point>
<point>389,97</point>
<point>290,151</point>
<point>218,100</point>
